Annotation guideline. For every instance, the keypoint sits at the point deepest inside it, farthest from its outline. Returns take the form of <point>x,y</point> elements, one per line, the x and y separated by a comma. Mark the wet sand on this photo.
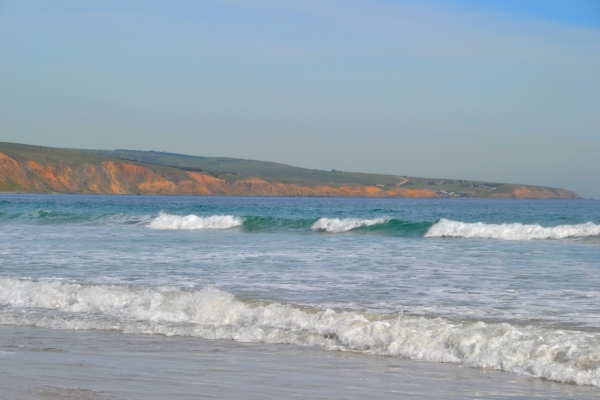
<point>61,364</point>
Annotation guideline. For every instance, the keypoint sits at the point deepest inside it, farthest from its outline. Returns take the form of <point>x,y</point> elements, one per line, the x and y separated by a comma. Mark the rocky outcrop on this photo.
<point>114,177</point>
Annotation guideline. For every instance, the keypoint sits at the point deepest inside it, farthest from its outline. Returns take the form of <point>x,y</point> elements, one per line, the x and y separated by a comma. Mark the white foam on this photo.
<point>448,228</point>
<point>560,355</point>
<point>168,221</point>
<point>336,225</point>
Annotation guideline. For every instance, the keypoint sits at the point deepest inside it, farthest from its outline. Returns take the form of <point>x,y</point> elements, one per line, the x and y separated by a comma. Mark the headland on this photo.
<point>39,169</point>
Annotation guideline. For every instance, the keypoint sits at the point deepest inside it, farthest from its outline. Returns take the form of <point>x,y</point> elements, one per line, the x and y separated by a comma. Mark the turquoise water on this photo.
<point>510,285</point>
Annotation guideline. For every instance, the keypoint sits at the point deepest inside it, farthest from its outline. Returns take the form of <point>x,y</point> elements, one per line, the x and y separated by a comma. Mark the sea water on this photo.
<point>510,285</point>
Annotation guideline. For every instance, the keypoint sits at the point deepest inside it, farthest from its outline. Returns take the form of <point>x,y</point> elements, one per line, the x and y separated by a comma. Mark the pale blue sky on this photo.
<point>504,91</point>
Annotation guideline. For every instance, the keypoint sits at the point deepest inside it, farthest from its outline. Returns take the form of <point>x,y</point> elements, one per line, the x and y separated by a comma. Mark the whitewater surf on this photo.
<point>500,285</point>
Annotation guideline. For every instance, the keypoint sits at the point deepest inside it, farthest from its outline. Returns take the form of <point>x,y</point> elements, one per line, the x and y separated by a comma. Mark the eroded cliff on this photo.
<point>115,177</point>
<point>36,169</point>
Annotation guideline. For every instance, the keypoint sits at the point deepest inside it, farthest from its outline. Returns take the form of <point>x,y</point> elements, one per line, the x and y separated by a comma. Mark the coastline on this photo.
<point>184,195</point>
<point>37,169</point>
<point>40,363</point>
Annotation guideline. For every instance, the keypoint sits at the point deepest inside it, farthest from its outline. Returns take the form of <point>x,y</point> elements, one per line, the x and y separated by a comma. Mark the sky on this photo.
<point>492,90</point>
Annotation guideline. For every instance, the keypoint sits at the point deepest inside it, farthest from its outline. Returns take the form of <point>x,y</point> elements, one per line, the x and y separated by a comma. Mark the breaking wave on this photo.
<point>192,222</point>
<point>251,224</point>
<point>516,231</point>
<point>256,223</point>
<point>336,225</point>
<point>559,355</point>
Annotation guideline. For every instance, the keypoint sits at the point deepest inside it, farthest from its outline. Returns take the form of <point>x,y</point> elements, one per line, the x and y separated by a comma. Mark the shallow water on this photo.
<point>50,364</point>
<point>503,285</point>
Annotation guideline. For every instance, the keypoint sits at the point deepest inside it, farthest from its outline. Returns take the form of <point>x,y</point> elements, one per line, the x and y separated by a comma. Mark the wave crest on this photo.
<point>216,222</point>
<point>336,225</point>
<point>560,355</point>
<point>448,228</point>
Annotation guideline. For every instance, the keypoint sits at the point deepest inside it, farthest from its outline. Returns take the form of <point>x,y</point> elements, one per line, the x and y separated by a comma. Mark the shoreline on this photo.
<point>295,197</point>
<point>40,363</point>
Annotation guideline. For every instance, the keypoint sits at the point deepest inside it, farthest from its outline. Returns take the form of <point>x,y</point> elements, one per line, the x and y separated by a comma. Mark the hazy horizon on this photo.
<point>443,89</point>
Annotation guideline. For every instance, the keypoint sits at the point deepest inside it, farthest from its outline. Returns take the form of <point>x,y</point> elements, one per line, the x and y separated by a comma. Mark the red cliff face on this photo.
<point>111,177</point>
<point>106,176</point>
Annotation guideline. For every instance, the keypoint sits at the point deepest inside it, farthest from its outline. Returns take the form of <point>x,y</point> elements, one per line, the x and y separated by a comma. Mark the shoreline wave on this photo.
<point>559,355</point>
<point>336,225</point>
<point>442,228</point>
<point>194,222</point>
<point>515,231</point>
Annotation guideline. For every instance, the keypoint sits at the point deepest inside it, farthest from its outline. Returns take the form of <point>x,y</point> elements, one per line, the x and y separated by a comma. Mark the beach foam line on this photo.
<point>336,225</point>
<point>192,222</point>
<point>516,231</point>
<point>559,355</point>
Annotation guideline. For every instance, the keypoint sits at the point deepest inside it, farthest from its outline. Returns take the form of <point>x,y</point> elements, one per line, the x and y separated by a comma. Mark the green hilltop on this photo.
<point>232,169</point>
<point>235,172</point>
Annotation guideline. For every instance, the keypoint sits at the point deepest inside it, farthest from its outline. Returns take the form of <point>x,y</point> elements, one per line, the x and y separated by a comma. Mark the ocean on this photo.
<point>451,287</point>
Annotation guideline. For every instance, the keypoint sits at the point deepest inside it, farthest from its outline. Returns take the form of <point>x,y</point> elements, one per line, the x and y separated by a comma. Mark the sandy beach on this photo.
<point>64,364</point>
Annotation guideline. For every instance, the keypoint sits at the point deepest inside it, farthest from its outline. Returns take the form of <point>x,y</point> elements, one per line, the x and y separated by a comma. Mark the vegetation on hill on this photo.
<point>232,169</point>
<point>25,168</point>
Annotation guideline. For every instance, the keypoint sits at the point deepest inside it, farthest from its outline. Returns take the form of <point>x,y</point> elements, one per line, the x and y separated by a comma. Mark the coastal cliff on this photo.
<point>35,169</point>
<point>118,177</point>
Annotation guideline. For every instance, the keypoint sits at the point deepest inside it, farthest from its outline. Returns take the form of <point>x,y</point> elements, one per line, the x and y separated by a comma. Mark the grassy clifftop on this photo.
<point>232,169</point>
<point>38,169</point>
<point>228,168</point>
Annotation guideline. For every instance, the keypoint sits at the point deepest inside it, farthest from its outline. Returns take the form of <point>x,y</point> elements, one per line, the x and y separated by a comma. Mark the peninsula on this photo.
<point>38,169</point>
